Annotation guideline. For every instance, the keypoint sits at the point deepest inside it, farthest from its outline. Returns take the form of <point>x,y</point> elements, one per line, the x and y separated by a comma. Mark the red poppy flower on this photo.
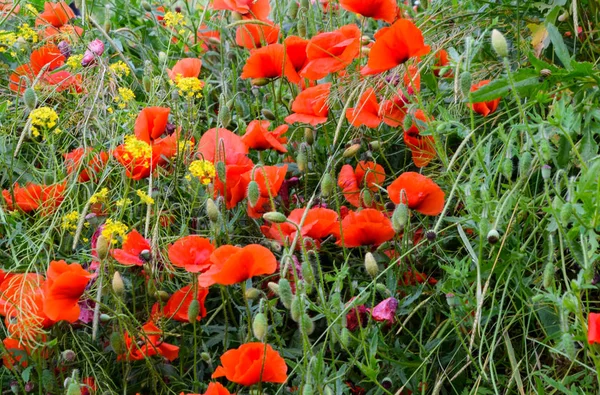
<point>310,106</point>
<point>47,58</point>
<point>413,278</point>
<point>151,123</point>
<point>233,189</point>
<point>185,68</point>
<point>178,304</point>
<point>67,32</point>
<point>366,111</point>
<point>252,363</point>
<point>55,14</point>
<point>441,61</point>
<point>487,107</point>
<point>64,286</point>
<point>15,353</point>
<point>35,196</point>
<point>394,46</point>
<point>254,35</point>
<point>364,176</point>
<point>365,227</point>
<point>412,79</point>
<point>257,9</point>
<point>420,193</point>
<point>376,9</point>
<point>593,328</point>
<point>150,343</point>
<point>393,111</point>
<point>95,164</point>
<point>191,253</point>
<point>133,246</point>
<point>421,147</point>
<point>258,136</point>
<point>231,265</point>
<point>269,180</point>
<point>221,145</point>
<point>269,62</point>
<point>8,7</point>
<point>331,51</point>
<point>295,49</point>
<point>213,389</point>
<point>318,224</point>
<point>207,37</point>
<point>136,168</point>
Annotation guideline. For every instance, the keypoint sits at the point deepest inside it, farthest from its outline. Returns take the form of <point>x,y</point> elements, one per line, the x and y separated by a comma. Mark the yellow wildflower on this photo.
<point>203,170</point>
<point>43,118</point>
<point>27,33</point>
<point>123,202</point>
<point>112,229</point>
<point>190,87</point>
<point>74,61</point>
<point>99,196</point>
<point>125,96</point>
<point>174,20</point>
<point>69,222</point>
<point>144,197</point>
<point>136,149</point>
<point>184,146</point>
<point>120,69</point>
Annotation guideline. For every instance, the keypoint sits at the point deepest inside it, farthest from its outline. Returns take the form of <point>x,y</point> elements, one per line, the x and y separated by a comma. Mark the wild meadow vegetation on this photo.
<point>316,197</point>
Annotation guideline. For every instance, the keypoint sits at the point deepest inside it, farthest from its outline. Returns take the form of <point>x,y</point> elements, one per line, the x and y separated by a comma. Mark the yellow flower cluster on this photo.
<point>184,146</point>
<point>113,229</point>
<point>123,202</point>
<point>137,149</point>
<point>125,96</point>
<point>74,61</point>
<point>31,9</point>
<point>174,20</point>
<point>27,33</point>
<point>69,222</point>
<point>120,69</point>
<point>99,196</point>
<point>9,39</point>
<point>144,197</point>
<point>44,118</point>
<point>190,87</point>
<point>203,170</point>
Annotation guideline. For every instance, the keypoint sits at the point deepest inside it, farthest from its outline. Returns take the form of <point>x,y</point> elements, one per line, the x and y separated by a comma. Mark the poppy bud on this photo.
<point>292,10</point>
<point>118,285</point>
<point>371,265</point>
<point>147,83</point>
<point>307,273</point>
<point>253,193</point>
<point>225,116</point>
<point>205,357</point>
<point>465,82</point>
<point>507,167</point>
<point>30,99</point>
<point>102,245</point>
<point>301,26</point>
<point>260,81</point>
<point>431,235</point>
<point>260,326</point>
<point>145,255</point>
<point>301,161</point>
<point>493,236</point>
<point>327,185</point>
<point>193,311</point>
<point>105,317</point>
<point>309,136</point>
<point>116,342</point>
<point>546,172</point>
<point>285,292</point>
<point>107,25</point>
<point>97,47</point>
<point>570,303</point>
<point>351,151</point>
<point>268,114</point>
<point>162,295</point>
<point>252,293</point>
<point>308,389</point>
<point>374,145</point>
<point>400,217</point>
<point>68,355</point>
<point>499,43</point>
<point>345,337</point>
<point>212,211</point>
<point>382,289</point>
<point>307,326</point>
<point>296,308</point>
<point>563,17</point>
<point>236,16</point>
<point>367,197</point>
<point>525,163</point>
<point>364,51</point>
<point>568,345</point>
<point>274,287</point>
<point>566,212</point>
<point>275,217</point>
<point>146,6</point>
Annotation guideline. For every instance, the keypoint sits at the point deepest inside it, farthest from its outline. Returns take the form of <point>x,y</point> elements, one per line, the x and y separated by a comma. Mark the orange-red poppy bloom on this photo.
<point>393,111</point>
<point>258,136</point>
<point>331,51</point>
<point>64,286</point>
<point>151,123</point>
<point>231,265</point>
<point>47,59</point>
<point>593,328</point>
<point>208,38</point>
<point>191,253</point>
<point>178,304</point>
<point>8,6</point>
<point>255,35</point>
<point>441,60</point>
<point>421,147</point>
<point>34,196</point>
<point>353,181</point>
<point>269,62</point>
<point>133,247</point>
<point>394,45</point>
<point>366,111</point>
<point>487,107</point>
<point>376,9</point>
<point>420,193</point>
<point>310,106</point>
<point>252,363</point>
<point>413,278</point>
<point>213,389</point>
<point>15,353</point>
<point>269,180</point>
<point>318,224</point>
<point>233,189</point>
<point>365,227</point>
<point>295,49</point>
<point>220,144</point>
<point>55,14</point>
<point>257,9</point>
<point>150,343</point>
<point>74,162</point>
<point>185,68</point>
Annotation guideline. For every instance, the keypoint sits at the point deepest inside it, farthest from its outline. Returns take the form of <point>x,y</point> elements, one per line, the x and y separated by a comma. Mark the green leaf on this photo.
<point>524,80</point>
<point>560,48</point>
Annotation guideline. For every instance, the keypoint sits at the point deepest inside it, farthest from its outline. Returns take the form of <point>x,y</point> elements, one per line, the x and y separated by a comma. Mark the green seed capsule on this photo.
<point>260,326</point>
<point>327,185</point>
<point>205,356</point>
<point>274,216</point>
<point>371,265</point>
<point>147,83</point>
<point>465,82</point>
<point>285,293</point>
<point>116,342</point>
<point>193,311</point>
<point>400,217</point>
<point>307,326</point>
<point>253,193</point>
<point>268,114</point>
<point>212,211</point>
<point>296,309</point>
<point>30,98</point>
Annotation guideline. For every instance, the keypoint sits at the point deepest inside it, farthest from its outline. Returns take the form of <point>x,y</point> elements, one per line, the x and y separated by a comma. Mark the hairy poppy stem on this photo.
<point>96,318</point>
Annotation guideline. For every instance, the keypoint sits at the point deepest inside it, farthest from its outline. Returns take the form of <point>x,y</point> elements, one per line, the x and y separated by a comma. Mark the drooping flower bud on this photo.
<point>260,81</point>
<point>275,217</point>
<point>327,185</point>
<point>260,326</point>
<point>296,308</point>
<point>253,193</point>
<point>309,136</point>
<point>117,284</point>
<point>221,171</point>
<point>252,293</point>
<point>307,326</point>
<point>371,265</point>
<point>274,287</point>
<point>351,151</point>
<point>30,99</point>
<point>193,311</point>
<point>400,217</point>
<point>499,43</point>
<point>285,293</point>
<point>268,114</point>
<point>212,211</point>
<point>102,245</point>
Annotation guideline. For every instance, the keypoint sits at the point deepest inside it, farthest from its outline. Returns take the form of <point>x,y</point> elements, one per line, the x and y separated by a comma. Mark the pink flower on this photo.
<point>385,310</point>
<point>357,316</point>
<point>88,58</point>
<point>97,47</point>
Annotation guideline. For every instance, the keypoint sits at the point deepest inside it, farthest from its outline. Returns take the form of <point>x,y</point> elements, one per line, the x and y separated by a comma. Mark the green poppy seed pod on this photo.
<point>205,356</point>
<point>146,6</point>
<point>30,99</point>
<point>162,295</point>
<point>260,326</point>
<point>116,342</point>
<point>105,317</point>
<point>375,145</point>
<point>193,311</point>
<point>118,285</point>
<point>566,212</point>
<point>275,217</point>
<point>308,389</point>
<point>507,167</point>
<point>465,82</point>
<point>285,293</point>
<point>545,150</point>
<point>147,83</point>
<point>327,185</point>
<point>260,81</point>
<point>68,355</point>
<point>307,273</point>
<point>367,197</point>
<point>102,247</point>
<point>345,337</point>
<point>499,43</point>
<point>253,193</point>
<point>274,287</point>
<point>371,265</point>
<point>307,326</point>
<point>546,172</point>
<point>296,308</point>
<point>351,151</point>
<point>493,236</point>
<point>301,26</point>
<point>292,10</point>
<point>107,25</point>
<point>548,277</point>
<point>225,116</point>
<point>268,114</point>
<point>252,293</point>
<point>212,211</point>
<point>221,171</point>
<point>309,136</point>
<point>302,161</point>
<point>400,217</point>
<point>525,163</point>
